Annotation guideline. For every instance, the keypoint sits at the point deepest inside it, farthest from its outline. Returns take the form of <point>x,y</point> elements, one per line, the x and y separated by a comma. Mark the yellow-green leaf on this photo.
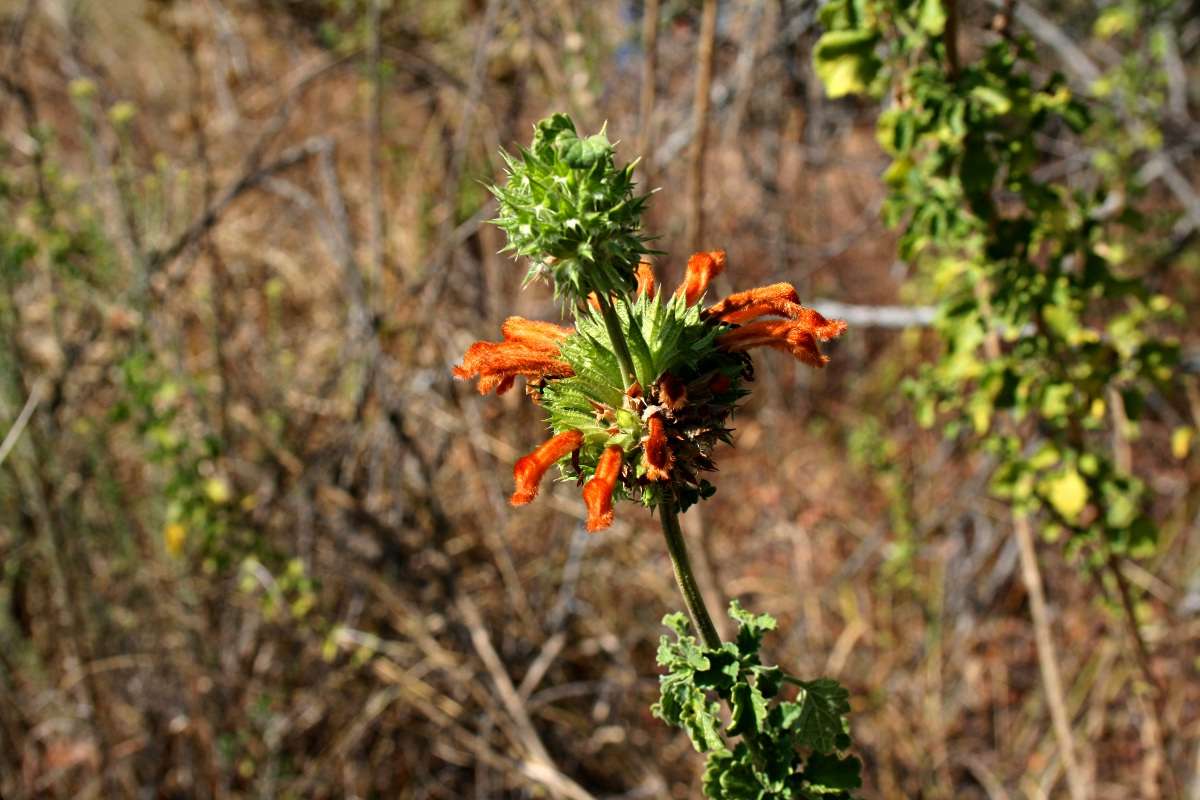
<point>1181,441</point>
<point>1067,493</point>
<point>845,61</point>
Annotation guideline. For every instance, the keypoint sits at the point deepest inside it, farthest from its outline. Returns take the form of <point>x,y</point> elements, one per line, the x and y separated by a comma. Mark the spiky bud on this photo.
<point>568,208</point>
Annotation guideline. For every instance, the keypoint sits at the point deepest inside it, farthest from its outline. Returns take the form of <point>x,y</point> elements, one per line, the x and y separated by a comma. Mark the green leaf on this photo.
<point>992,99</point>
<point>830,772</point>
<point>816,716</point>
<point>749,710</point>
<point>933,17</point>
<point>752,628</point>
<point>845,61</point>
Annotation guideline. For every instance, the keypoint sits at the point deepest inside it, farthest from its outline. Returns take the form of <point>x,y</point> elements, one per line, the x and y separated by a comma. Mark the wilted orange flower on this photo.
<point>657,450</point>
<point>672,392</point>
<point>701,269</point>
<point>529,349</point>
<point>598,492</point>
<point>528,470</point>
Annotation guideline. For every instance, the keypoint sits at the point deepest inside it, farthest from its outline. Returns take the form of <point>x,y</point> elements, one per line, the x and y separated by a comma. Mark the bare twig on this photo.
<point>14,433</point>
<point>212,215</point>
<point>862,316</point>
<point>434,279</point>
<point>1047,658</point>
<point>645,140</point>
<point>705,56</point>
<point>514,704</point>
<point>377,232</point>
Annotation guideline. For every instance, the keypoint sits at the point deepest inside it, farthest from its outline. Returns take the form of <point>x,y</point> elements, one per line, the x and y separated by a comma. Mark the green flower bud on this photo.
<point>572,211</point>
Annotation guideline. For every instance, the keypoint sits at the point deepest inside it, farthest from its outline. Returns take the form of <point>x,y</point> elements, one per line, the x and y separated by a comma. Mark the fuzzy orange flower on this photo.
<point>529,349</point>
<point>701,269</point>
<point>789,335</point>
<point>778,299</point>
<point>657,451</point>
<point>645,278</point>
<point>529,470</point>
<point>598,492</point>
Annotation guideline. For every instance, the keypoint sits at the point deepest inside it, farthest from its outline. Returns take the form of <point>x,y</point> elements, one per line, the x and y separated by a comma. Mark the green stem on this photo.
<point>684,576</point>
<point>692,598</point>
<point>613,324</point>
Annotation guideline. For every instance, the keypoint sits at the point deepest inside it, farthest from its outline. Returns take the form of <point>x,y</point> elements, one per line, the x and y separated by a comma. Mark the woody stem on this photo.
<point>683,574</point>
<point>617,336</point>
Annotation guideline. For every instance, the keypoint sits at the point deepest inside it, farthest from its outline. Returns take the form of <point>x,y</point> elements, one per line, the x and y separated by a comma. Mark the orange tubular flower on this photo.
<point>528,470</point>
<point>658,453</point>
<point>535,333</point>
<point>598,492</point>
<point>645,278</point>
<point>789,335</point>
<point>779,299</point>
<point>701,269</point>
<point>530,349</point>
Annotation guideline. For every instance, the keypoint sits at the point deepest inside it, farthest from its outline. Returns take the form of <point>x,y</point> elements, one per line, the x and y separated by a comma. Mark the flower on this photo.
<point>654,438</point>
<point>657,452</point>
<point>529,349</point>
<point>598,492</point>
<point>528,471</point>
<point>645,278</point>
<point>701,269</point>
<point>568,207</point>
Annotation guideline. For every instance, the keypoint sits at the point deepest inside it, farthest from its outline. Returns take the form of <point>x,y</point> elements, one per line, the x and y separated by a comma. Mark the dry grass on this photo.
<point>449,646</point>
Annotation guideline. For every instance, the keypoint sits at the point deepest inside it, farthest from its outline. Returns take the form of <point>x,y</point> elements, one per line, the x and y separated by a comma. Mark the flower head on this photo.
<point>690,366</point>
<point>640,392</point>
<point>569,208</point>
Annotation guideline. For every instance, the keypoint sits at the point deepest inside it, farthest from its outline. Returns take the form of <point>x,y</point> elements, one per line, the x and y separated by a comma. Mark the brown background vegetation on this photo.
<point>289,233</point>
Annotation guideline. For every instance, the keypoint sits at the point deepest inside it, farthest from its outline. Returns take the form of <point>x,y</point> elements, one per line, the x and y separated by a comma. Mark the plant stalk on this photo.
<point>613,324</point>
<point>684,576</point>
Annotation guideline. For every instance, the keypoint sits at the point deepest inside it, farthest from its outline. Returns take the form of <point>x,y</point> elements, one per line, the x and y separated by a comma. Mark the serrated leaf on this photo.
<point>748,710</point>
<point>816,716</point>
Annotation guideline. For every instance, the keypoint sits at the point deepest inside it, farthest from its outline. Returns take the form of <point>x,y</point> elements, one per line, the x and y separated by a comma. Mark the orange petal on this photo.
<point>497,361</point>
<point>535,333</point>
<point>645,278</point>
<point>744,306</point>
<point>501,383</point>
<point>790,336</point>
<point>779,299</point>
<point>598,492</point>
<point>528,470</point>
<point>701,269</point>
<point>657,451</point>
<point>824,329</point>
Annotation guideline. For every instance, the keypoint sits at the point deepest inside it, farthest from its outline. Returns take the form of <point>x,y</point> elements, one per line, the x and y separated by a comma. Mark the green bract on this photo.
<point>664,337</point>
<point>567,206</point>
